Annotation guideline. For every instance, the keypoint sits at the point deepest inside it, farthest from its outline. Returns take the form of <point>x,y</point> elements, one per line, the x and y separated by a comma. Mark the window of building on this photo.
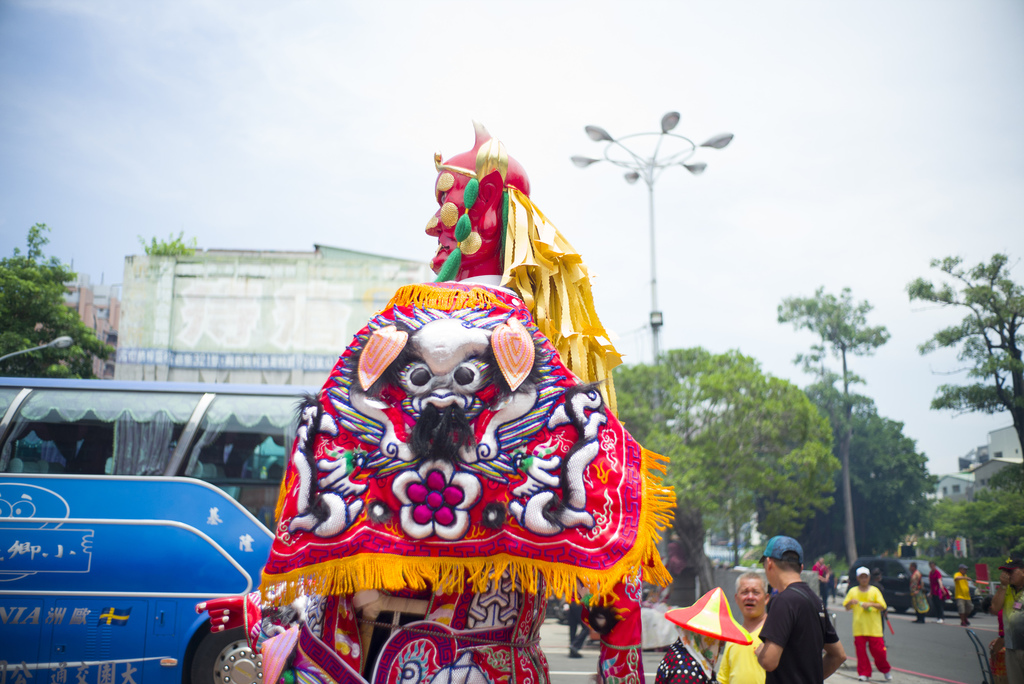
<point>956,489</point>
<point>945,491</point>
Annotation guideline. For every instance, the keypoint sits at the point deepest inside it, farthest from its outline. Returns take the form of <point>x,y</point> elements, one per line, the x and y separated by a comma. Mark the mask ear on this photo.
<point>514,351</point>
<point>383,347</point>
<point>488,196</point>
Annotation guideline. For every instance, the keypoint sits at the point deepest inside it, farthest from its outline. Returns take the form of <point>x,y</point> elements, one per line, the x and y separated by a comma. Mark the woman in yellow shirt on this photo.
<point>867,604</point>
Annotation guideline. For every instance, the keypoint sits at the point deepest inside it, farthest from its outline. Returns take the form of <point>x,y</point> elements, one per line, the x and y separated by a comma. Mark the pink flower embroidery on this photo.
<point>436,500</point>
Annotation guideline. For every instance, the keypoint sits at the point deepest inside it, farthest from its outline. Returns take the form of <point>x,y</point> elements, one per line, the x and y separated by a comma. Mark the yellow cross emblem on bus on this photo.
<point>111,614</point>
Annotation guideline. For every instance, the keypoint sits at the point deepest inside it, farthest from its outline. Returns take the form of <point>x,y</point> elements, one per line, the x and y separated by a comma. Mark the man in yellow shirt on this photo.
<point>1009,599</point>
<point>739,663</point>
<point>962,595</point>
<point>866,602</point>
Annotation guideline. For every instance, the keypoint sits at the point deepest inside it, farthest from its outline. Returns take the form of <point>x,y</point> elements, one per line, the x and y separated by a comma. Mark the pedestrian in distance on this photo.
<point>797,628</point>
<point>704,628</point>
<point>577,630</point>
<point>1009,600</point>
<point>918,597</point>
<point>883,617</point>
<point>739,662</point>
<point>937,591</point>
<point>824,579</point>
<point>867,604</point>
<point>962,594</point>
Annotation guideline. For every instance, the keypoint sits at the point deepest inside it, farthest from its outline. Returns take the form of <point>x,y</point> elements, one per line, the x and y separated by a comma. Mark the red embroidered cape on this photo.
<point>550,485</point>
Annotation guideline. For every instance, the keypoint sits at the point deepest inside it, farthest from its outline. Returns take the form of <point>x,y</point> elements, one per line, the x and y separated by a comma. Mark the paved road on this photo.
<point>919,654</point>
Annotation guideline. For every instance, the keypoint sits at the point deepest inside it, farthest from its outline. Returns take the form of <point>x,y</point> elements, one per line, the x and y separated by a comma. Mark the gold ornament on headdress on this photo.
<point>491,157</point>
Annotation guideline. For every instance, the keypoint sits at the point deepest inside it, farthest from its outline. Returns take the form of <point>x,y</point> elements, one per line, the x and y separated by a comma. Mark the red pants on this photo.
<point>877,646</point>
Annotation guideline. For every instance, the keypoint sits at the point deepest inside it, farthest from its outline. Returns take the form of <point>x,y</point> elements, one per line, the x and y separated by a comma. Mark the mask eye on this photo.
<point>465,375</point>
<point>419,377</point>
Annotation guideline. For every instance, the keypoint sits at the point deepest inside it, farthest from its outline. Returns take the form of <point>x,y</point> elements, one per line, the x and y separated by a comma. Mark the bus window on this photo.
<point>7,395</point>
<point>243,446</point>
<point>96,432</point>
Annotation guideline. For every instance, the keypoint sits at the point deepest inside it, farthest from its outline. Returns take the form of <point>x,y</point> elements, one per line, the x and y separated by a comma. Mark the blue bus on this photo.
<point>122,505</point>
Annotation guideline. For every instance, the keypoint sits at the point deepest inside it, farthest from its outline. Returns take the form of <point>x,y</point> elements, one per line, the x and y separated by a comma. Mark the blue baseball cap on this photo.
<point>779,545</point>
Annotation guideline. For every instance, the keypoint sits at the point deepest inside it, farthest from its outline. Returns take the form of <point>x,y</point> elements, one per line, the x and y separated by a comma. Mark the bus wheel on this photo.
<point>225,658</point>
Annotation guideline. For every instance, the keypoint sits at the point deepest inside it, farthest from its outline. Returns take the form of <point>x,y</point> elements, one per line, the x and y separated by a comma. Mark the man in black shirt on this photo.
<point>797,628</point>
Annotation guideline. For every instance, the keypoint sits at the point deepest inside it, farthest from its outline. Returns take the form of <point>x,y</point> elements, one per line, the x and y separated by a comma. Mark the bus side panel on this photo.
<point>21,627</point>
<point>110,569</point>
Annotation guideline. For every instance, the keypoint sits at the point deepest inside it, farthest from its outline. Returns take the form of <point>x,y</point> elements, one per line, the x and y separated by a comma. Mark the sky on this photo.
<point>870,138</point>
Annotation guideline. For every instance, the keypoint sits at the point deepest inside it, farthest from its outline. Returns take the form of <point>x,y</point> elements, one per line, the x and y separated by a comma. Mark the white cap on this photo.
<point>863,571</point>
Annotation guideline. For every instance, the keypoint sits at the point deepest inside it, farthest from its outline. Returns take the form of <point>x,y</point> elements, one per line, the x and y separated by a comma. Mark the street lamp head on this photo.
<point>597,134</point>
<point>62,342</point>
<point>584,162</point>
<point>695,169</point>
<point>718,142</point>
<point>632,177</point>
<point>669,121</point>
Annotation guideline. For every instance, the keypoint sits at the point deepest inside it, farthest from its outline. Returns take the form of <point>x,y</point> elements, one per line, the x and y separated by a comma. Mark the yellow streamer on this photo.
<point>543,268</point>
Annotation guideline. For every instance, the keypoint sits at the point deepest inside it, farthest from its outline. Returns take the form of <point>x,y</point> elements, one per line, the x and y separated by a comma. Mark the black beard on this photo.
<point>439,436</point>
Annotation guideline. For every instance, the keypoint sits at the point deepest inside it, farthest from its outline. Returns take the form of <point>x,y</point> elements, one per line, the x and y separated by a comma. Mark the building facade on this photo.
<point>254,317</point>
<point>1004,443</point>
<point>99,307</point>
<point>955,487</point>
<point>979,465</point>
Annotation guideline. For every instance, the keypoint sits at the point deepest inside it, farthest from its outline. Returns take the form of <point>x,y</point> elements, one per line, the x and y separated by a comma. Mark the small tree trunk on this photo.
<point>851,537</point>
<point>736,531</point>
<point>689,529</point>
<point>844,458</point>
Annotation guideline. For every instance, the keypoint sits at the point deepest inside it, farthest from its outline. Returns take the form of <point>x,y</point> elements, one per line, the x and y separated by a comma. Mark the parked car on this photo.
<point>896,582</point>
<point>842,586</point>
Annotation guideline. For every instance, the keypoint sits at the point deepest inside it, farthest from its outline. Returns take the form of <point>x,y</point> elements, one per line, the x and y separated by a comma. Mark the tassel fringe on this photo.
<point>393,572</point>
<point>443,298</point>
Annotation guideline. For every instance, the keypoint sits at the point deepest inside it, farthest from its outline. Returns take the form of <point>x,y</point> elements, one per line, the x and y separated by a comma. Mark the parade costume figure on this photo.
<point>462,462</point>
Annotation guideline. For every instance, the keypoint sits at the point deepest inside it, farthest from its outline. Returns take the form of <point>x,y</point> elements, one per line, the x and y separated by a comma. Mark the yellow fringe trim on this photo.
<point>543,268</point>
<point>286,483</point>
<point>446,299</point>
<point>450,575</point>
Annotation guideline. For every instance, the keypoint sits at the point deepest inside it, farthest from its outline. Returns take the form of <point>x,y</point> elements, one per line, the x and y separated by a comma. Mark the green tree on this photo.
<point>33,312</point>
<point>740,443</point>
<point>889,483</point>
<point>988,339</point>
<point>993,521</point>
<point>172,246</point>
<point>842,327</point>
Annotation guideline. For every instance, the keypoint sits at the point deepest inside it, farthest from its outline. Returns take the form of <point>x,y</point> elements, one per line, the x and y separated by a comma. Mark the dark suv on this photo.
<point>896,582</point>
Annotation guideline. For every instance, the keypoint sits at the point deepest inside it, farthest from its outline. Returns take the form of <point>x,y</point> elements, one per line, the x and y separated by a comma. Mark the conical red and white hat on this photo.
<point>711,617</point>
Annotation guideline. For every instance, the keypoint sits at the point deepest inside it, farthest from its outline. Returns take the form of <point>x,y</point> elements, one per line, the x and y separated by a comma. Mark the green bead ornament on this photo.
<point>450,268</point>
<point>504,220</point>
<point>463,228</point>
<point>470,193</point>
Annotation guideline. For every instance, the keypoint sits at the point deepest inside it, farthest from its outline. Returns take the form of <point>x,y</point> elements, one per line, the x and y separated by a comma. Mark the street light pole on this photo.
<point>650,169</point>
<point>62,342</point>
<point>656,317</point>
